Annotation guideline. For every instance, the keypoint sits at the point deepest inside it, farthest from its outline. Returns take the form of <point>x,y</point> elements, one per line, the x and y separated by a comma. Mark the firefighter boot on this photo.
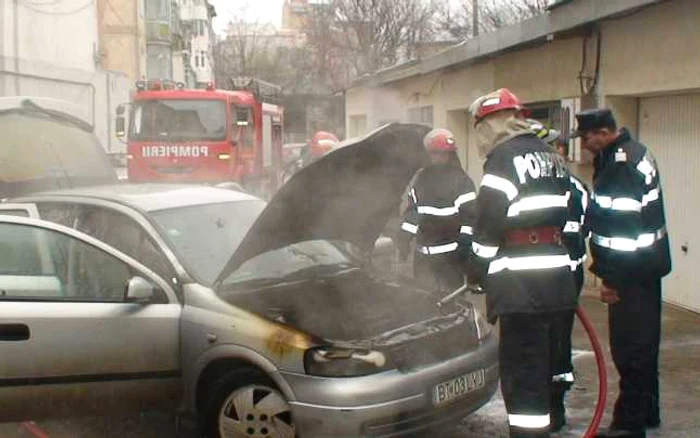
<point>557,411</point>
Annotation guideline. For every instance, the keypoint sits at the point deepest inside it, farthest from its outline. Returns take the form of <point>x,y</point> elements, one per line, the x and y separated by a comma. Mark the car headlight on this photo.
<point>343,362</point>
<point>483,328</point>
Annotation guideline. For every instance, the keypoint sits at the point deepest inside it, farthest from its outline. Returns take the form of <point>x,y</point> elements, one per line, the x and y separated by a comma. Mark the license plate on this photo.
<point>458,387</point>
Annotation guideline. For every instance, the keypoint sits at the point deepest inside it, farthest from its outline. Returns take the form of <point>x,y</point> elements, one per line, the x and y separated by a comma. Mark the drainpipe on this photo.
<point>15,17</point>
<point>596,87</point>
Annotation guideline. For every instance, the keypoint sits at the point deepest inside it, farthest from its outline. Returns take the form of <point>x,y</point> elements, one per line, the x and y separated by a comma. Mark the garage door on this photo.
<point>670,127</point>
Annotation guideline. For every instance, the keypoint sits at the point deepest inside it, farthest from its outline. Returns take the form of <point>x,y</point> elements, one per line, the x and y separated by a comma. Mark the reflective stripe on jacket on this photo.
<point>628,236</point>
<point>440,212</point>
<point>526,185</point>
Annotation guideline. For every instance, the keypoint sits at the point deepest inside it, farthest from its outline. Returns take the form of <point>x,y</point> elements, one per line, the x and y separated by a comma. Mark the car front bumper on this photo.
<point>389,404</point>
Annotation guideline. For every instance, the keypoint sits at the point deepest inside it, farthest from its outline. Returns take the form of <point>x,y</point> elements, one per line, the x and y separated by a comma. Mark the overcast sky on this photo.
<point>260,11</point>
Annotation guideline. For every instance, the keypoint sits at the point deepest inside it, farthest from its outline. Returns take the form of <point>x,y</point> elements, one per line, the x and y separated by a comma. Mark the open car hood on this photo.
<point>347,195</point>
<point>48,145</point>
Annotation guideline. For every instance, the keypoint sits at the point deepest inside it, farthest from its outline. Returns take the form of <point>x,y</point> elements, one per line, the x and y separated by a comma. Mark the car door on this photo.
<point>74,339</point>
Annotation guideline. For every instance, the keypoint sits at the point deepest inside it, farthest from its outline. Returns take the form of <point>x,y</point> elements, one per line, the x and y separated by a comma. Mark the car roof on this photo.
<point>150,197</point>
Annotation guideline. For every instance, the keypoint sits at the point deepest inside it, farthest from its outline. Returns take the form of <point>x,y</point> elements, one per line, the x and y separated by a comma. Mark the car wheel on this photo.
<point>246,404</point>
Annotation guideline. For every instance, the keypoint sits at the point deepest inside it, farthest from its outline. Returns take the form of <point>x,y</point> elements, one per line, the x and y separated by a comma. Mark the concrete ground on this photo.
<point>680,386</point>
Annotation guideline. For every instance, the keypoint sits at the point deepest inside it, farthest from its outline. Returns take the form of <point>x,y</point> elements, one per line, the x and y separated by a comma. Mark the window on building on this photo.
<point>158,10</point>
<point>204,57</point>
<point>196,60</point>
<point>200,27</point>
<point>422,115</point>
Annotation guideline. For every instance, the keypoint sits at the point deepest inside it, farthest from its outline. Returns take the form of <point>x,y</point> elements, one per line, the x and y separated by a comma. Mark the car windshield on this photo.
<point>292,262</point>
<point>179,120</point>
<point>205,236</point>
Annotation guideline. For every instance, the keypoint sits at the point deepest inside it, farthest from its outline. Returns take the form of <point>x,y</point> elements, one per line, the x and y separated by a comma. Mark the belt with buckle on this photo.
<point>534,236</point>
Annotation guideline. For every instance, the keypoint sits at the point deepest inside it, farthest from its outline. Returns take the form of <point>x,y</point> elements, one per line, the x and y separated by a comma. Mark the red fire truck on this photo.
<point>204,135</point>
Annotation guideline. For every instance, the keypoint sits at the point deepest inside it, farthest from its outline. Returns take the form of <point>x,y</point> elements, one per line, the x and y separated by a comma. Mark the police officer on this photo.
<point>519,257</point>
<point>630,249</point>
<point>575,239</point>
<point>440,215</point>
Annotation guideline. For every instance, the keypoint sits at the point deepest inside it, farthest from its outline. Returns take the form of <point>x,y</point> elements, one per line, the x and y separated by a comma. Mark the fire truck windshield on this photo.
<point>179,120</point>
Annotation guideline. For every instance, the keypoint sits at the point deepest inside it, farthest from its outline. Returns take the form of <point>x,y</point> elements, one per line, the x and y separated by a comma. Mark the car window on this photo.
<point>205,236</point>
<point>16,212</point>
<point>43,264</point>
<point>123,233</point>
<point>59,213</point>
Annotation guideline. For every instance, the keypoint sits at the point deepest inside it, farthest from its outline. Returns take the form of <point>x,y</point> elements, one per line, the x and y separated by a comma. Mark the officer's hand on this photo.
<point>609,295</point>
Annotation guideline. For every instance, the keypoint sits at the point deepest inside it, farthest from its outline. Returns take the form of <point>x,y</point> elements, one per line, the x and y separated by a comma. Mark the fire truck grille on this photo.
<point>174,170</point>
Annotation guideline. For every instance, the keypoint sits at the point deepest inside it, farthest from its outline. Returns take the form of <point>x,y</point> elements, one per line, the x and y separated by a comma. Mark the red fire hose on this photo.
<point>602,373</point>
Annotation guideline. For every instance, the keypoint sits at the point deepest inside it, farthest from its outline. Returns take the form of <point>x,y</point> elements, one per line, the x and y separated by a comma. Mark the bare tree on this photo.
<point>246,44</point>
<point>495,14</point>
<point>457,19</point>
<point>373,34</point>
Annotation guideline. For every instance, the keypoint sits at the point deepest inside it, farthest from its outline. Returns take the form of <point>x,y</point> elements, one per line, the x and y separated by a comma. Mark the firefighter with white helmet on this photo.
<point>519,256</point>
<point>439,215</point>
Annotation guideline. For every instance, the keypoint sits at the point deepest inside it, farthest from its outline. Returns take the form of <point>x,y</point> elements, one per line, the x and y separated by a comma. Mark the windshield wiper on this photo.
<point>248,283</point>
<point>310,273</point>
<point>320,271</point>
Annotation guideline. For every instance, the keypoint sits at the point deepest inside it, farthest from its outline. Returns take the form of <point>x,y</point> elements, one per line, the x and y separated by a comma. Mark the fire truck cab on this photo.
<point>204,135</point>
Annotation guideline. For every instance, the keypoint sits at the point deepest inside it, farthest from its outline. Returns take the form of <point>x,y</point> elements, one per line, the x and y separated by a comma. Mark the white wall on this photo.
<point>49,50</point>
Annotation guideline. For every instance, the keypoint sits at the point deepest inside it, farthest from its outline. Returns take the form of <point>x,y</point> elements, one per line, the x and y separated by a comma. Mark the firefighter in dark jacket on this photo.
<point>519,257</point>
<point>575,239</point>
<point>630,250</point>
<point>440,215</point>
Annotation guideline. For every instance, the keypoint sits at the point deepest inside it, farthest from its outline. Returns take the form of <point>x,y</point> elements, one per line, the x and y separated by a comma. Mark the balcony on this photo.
<point>159,20</point>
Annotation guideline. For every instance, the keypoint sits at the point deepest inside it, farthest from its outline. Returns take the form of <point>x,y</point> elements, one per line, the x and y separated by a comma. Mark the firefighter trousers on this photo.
<point>562,366</point>
<point>528,347</point>
<point>441,271</point>
<point>635,332</point>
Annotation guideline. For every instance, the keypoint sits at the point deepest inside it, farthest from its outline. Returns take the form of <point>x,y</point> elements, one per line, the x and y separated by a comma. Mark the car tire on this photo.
<point>246,403</point>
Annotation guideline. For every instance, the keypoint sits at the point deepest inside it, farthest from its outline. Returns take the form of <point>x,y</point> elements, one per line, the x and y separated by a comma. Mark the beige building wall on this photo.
<point>122,37</point>
<point>547,72</point>
<point>653,51</point>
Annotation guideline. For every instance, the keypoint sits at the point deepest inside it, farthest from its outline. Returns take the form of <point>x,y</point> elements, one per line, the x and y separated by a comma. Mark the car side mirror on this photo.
<point>120,127</point>
<point>139,290</point>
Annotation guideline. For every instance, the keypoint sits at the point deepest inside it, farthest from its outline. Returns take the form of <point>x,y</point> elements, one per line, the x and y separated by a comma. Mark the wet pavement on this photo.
<point>680,386</point>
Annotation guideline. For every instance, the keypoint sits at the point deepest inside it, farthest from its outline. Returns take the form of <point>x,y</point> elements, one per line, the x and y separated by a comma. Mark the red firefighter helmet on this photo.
<point>323,142</point>
<point>440,140</point>
<point>499,100</point>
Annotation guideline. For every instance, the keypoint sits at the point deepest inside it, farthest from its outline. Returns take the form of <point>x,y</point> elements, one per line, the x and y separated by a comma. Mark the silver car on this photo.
<point>254,320</point>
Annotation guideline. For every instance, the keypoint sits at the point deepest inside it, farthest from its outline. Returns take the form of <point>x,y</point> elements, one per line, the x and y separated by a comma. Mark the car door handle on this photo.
<point>14,332</point>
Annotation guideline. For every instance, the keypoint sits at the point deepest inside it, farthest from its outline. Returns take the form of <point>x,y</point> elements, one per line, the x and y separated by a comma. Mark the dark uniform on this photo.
<point>522,263</point>
<point>440,216</point>
<point>630,249</point>
<point>575,234</point>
